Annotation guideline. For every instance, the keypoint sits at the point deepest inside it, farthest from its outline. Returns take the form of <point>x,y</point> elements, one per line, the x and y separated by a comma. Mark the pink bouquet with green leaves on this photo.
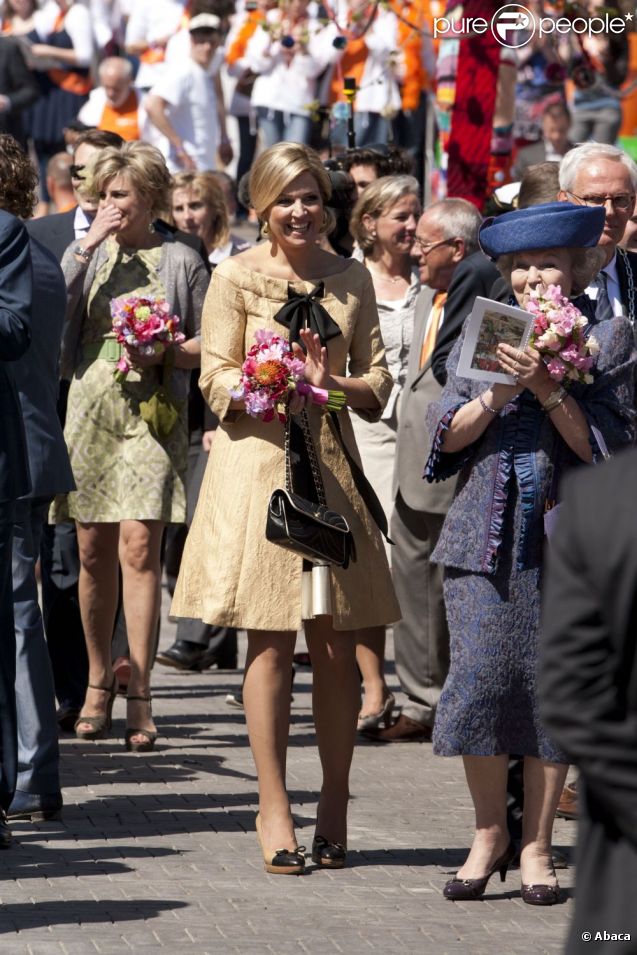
<point>270,373</point>
<point>559,334</point>
<point>144,323</point>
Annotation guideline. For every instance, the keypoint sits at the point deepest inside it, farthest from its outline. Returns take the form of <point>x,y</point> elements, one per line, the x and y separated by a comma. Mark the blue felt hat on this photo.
<point>552,225</point>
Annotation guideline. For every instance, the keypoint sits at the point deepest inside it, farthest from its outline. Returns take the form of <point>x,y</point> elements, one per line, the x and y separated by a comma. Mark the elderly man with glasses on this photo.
<point>446,234</point>
<point>596,174</point>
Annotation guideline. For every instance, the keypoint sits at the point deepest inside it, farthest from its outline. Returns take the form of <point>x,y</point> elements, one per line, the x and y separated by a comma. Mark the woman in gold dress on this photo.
<point>230,574</point>
<point>129,465</point>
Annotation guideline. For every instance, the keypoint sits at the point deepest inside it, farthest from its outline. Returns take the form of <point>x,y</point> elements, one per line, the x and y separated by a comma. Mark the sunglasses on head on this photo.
<point>76,170</point>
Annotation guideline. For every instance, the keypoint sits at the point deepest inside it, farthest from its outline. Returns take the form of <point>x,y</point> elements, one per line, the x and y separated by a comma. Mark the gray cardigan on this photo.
<point>184,277</point>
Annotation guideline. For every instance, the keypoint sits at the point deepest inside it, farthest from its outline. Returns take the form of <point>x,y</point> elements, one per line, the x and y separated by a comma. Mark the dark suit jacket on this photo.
<point>15,337</point>
<point>588,685</point>
<point>628,261</point>
<point>54,232</point>
<point>473,276</point>
<point>18,83</point>
<point>37,375</point>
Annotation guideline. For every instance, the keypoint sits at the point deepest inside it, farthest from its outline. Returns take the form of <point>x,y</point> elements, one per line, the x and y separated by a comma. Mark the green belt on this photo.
<point>109,350</point>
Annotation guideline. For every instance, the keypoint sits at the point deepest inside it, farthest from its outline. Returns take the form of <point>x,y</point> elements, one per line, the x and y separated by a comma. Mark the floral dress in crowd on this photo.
<point>121,468</point>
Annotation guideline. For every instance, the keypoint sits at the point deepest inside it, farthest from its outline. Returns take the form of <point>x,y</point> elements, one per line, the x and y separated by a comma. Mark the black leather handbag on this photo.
<point>311,530</point>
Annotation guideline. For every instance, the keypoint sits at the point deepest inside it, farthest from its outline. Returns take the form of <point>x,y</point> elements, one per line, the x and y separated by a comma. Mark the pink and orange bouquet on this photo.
<point>270,373</point>
<point>143,323</point>
<point>559,334</point>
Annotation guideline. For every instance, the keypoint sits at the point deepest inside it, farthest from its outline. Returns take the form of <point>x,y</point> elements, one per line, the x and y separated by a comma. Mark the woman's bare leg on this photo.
<point>370,656</point>
<point>487,781</point>
<point>266,697</point>
<point>543,784</point>
<point>335,701</point>
<point>139,555</point>
<point>98,593</point>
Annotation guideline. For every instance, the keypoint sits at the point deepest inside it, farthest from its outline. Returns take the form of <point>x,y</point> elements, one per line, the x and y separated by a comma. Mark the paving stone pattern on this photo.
<point>157,852</point>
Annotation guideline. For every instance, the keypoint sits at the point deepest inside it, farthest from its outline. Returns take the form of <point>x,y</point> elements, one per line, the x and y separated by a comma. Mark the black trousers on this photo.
<point>8,719</point>
<point>60,569</point>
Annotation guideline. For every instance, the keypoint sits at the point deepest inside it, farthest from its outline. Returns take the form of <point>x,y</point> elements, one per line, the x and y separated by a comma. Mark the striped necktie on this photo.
<point>604,308</point>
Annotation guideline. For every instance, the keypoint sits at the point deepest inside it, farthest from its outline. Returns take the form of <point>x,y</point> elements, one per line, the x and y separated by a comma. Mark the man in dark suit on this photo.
<point>597,174</point>
<point>15,308</point>
<point>446,234</point>
<point>588,691</point>
<point>38,792</point>
<point>60,558</point>
<point>18,89</point>
<point>555,143</point>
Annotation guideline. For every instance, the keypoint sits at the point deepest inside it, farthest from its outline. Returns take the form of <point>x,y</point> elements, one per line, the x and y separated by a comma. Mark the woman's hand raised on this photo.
<point>317,371</point>
<point>107,221</point>
<point>527,367</point>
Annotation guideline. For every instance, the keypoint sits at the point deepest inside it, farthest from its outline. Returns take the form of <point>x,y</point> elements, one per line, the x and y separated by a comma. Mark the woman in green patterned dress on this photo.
<point>128,450</point>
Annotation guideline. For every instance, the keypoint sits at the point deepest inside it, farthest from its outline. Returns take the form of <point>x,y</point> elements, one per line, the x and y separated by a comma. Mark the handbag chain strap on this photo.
<point>311,453</point>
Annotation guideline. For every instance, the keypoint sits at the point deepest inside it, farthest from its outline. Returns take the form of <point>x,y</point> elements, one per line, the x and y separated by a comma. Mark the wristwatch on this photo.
<point>83,253</point>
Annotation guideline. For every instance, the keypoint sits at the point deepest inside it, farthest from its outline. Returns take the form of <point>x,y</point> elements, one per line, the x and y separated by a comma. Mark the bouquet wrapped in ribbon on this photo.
<point>143,323</point>
<point>270,373</point>
<point>148,325</point>
<point>559,334</point>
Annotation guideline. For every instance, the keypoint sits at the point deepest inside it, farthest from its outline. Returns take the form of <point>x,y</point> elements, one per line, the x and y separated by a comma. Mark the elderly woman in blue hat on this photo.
<point>511,445</point>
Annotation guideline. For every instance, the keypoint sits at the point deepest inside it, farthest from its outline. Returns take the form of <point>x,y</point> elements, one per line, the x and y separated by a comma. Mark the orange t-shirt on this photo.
<point>416,79</point>
<point>239,44</point>
<point>352,63</point>
<point>123,119</point>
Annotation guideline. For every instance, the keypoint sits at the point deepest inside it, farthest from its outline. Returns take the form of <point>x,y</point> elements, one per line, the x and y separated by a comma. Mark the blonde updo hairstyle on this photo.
<point>207,189</point>
<point>143,164</point>
<point>377,199</point>
<point>276,168</point>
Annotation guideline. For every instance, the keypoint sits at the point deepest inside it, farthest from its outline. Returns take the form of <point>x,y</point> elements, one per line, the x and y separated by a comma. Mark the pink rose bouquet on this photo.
<point>143,323</point>
<point>270,373</point>
<point>559,334</point>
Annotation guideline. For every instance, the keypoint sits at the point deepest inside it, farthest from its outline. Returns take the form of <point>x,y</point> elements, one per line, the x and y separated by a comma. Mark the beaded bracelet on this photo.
<point>555,399</point>
<point>485,406</point>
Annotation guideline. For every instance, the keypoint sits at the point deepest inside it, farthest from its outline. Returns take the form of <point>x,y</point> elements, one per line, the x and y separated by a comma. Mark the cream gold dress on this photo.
<point>230,574</point>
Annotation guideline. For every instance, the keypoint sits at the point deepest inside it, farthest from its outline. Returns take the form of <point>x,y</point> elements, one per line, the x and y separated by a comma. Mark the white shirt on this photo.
<point>282,85</point>
<point>379,87</point>
<point>153,20</point>
<point>190,93</point>
<point>77,24</point>
<point>396,320</point>
<point>81,223</point>
<point>612,284</point>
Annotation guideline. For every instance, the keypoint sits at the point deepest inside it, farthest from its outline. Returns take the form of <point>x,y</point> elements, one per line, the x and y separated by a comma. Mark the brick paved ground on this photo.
<point>158,851</point>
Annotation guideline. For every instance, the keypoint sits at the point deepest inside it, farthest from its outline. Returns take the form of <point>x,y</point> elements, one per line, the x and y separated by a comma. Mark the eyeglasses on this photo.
<point>76,170</point>
<point>623,201</point>
<point>427,247</point>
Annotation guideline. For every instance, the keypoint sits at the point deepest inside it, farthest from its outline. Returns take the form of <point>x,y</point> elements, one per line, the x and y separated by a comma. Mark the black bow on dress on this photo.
<point>305,311</point>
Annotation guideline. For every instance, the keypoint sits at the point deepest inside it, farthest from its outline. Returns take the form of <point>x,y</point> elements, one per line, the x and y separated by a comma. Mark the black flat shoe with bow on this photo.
<point>328,855</point>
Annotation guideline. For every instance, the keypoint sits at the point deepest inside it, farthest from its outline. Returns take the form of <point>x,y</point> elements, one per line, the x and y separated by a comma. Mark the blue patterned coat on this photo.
<point>522,445</point>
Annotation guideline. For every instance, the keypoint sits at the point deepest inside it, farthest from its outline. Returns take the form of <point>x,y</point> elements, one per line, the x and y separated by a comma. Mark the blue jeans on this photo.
<point>370,128</point>
<point>38,754</point>
<point>279,127</point>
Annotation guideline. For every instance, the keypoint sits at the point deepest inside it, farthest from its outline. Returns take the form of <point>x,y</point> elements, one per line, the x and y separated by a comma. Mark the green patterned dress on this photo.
<point>122,470</point>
